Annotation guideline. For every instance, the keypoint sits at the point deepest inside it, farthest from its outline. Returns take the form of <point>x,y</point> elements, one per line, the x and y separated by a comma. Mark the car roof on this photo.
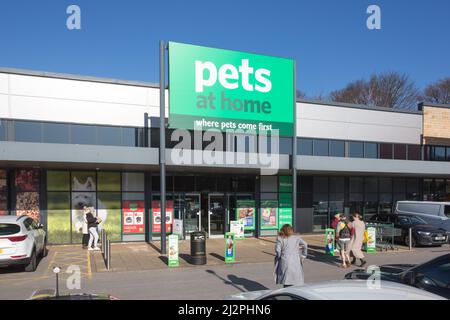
<point>357,290</point>
<point>12,219</point>
<point>419,202</point>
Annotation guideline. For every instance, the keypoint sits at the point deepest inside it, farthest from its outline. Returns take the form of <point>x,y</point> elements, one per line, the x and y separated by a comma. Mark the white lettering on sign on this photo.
<point>206,75</point>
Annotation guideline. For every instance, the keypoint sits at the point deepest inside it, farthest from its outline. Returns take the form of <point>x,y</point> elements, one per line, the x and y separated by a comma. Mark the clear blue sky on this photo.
<point>328,38</point>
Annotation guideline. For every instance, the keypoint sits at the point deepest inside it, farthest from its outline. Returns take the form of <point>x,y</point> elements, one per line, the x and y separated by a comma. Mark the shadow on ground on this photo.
<point>241,284</point>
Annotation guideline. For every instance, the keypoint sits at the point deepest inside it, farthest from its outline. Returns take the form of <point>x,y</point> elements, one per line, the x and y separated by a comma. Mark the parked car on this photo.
<point>338,290</point>
<point>423,233</point>
<point>50,294</point>
<point>22,241</point>
<point>435,213</point>
<point>432,276</point>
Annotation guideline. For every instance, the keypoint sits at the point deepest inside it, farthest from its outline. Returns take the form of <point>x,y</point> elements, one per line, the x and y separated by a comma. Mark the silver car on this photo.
<point>341,290</point>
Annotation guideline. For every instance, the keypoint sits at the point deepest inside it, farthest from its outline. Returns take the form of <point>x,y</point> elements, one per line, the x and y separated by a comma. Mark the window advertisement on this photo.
<point>285,209</point>
<point>245,212</point>
<point>269,214</point>
<point>133,217</point>
<point>58,217</point>
<point>237,228</point>
<point>229,90</point>
<point>109,211</point>
<point>3,193</point>
<point>27,193</point>
<point>173,251</point>
<point>156,216</point>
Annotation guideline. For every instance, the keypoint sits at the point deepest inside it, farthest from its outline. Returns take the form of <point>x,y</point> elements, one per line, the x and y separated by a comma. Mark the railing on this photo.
<point>106,249</point>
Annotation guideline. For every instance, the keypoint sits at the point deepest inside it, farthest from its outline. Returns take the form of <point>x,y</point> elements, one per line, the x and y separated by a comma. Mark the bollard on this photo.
<point>108,263</point>
<point>410,239</point>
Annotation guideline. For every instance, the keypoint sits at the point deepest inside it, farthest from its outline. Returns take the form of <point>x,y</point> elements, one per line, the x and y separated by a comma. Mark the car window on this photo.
<point>28,223</point>
<point>417,220</point>
<point>447,211</point>
<point>283,297</point>
<point>439,273</point>
<point>34,225</point>
<point>7,229</point>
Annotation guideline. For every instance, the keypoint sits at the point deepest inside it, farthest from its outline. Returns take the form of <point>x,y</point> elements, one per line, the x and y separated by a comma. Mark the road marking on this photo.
<point>50,264</point>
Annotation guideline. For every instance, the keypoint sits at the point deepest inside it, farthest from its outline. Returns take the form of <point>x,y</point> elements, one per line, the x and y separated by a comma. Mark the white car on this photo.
<point>341,290</point>
<point>22,240</point>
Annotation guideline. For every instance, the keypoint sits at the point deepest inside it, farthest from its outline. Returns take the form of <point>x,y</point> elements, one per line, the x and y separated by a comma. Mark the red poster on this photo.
<point>156,215</point>
<point>133,217</point>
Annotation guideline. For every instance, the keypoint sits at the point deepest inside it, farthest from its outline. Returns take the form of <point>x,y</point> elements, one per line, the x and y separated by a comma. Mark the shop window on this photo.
<point>108,181</point>
<point>320,184</point>
<point>414,152</point>
<point>184,183</point>
<point>3,193</point>
<point>109,136</point>
<point>385,185</point>
<point>413,189</point>
<point>55,133</point>
<point>27,131</point>
<point>224,184</point>
<point>79,201</point>
<point>305,147</point>
<point>269,184</point>
<point>305,184</point>
<point>83,134</point>
<point>58,180</point>
<point>386,151</point>
<point>285,145</point>
<point>400,151</point>
<point>448,154</point>
<point>356,185</point>
<point>356,149</point>
<point>206,183</point>
<point>320,147</point>
<point>385,202</point>
<point>337,184</point>
<point>399,185</point>
<point>371,185</point>
<point>337,148</point>
<point>370,150</point>
<point>27,193</point>
<point>58,217</point>
<point>132,181</point>
<point>109,209</point>
<point>132,137</point>
<point>439,154</point>
<point>84,181</point>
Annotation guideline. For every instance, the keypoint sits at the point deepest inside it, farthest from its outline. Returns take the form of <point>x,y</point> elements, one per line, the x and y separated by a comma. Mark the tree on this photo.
<point>390,90</point>
<point>300,94</point>
<point>438,92</point>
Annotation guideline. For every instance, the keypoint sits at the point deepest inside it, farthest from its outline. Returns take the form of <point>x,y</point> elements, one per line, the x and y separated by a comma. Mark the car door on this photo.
<point>39,236</point>
<point>434,277</point>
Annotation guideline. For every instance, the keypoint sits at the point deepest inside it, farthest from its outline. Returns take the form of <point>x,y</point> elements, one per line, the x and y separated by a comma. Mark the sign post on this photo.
<point>162,141</point>
<point>230,248</point>
<point>173,251</point>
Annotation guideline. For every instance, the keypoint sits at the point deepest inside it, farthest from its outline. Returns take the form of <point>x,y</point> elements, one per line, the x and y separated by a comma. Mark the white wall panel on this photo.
<point>3,83</point>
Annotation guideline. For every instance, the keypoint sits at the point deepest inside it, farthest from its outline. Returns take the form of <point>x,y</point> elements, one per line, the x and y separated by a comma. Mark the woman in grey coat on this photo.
<point>288,259</point>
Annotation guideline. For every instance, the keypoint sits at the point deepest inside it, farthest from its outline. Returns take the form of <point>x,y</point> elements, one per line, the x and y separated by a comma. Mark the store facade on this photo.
<point>69,141</point>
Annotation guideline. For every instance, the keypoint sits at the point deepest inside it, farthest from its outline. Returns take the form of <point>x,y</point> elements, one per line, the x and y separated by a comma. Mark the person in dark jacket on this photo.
<point>92,227</point>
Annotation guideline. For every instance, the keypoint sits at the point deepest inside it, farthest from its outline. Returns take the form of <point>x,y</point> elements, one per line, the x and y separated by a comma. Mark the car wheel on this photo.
<point>31,267</point>
<point>44,252</point>
<point>413,241</point>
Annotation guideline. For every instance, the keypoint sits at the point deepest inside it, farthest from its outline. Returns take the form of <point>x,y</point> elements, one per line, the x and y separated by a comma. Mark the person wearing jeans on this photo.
<point>93,234</point>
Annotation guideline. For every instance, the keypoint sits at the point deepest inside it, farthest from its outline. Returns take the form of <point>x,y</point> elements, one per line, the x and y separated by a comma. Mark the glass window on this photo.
<point>82,134</point>
<point>27,131</point>
<point>7,229</point>
<point>185,183</point>
<point>56,133</point>
<point>84,181</point>
<point>439,153</point>
<point>356,149</point>
<point>130,137</point>
<point>320,184</point>
<point>371,184</point>
<point>108,181</point>
<point>132,181</point>
<point>400,151</point>
<point>320,147</point>
<point>448,153</point>
<point>337,148</point>
<point>399,185</point>
<point>80,200</point>
<point>385,184</point>
<point>305,147</point>
<point>3,130</point>
<point>356,184</point>
<point>27,180</point>
<point>109,136</point>
<point>386,151</point>
<point>58,217</point>
<point>370,150</point>
<point>58,180</point>
<point>337,184</point>
<point>414,152</point>
<point>27,203</point>
<point>285,146</point>
<point>110,211</point>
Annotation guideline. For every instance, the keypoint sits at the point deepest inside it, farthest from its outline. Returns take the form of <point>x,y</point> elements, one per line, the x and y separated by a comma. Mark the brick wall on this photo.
<point>436,125</point>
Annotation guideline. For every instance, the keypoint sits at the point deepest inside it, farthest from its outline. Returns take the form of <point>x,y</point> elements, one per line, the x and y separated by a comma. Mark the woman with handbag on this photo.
<point>358,239</point>
<point>93,222</point>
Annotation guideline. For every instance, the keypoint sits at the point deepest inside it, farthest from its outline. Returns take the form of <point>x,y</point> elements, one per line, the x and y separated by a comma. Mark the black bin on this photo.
<point>198,248</point>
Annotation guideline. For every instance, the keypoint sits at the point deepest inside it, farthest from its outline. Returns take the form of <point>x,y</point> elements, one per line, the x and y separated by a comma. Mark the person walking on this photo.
<point>289,257</point>
<point>343,234</point>
<point>84,229</point>
<point>358,239</point>
<point>93,234</point>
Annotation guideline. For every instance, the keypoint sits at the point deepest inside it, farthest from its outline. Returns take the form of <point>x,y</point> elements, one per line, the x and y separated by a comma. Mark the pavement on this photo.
<point>139,271</point>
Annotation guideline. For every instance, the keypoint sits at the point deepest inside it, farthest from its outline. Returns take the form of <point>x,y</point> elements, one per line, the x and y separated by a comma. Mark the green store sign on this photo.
<point>230,90</point>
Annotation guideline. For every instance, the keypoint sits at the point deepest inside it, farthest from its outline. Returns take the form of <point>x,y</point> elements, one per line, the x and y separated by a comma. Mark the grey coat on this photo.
<point>288,266</point>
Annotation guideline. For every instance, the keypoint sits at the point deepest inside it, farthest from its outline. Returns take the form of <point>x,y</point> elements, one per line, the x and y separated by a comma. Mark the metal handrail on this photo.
<point>106,249</point>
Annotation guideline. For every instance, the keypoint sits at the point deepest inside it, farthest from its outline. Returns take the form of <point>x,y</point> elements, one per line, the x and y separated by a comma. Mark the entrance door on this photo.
<point>192,218</point>
<point>217,215</point>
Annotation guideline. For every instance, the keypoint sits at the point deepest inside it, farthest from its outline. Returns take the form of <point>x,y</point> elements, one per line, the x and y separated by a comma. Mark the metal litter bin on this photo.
<point>198,248</point>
